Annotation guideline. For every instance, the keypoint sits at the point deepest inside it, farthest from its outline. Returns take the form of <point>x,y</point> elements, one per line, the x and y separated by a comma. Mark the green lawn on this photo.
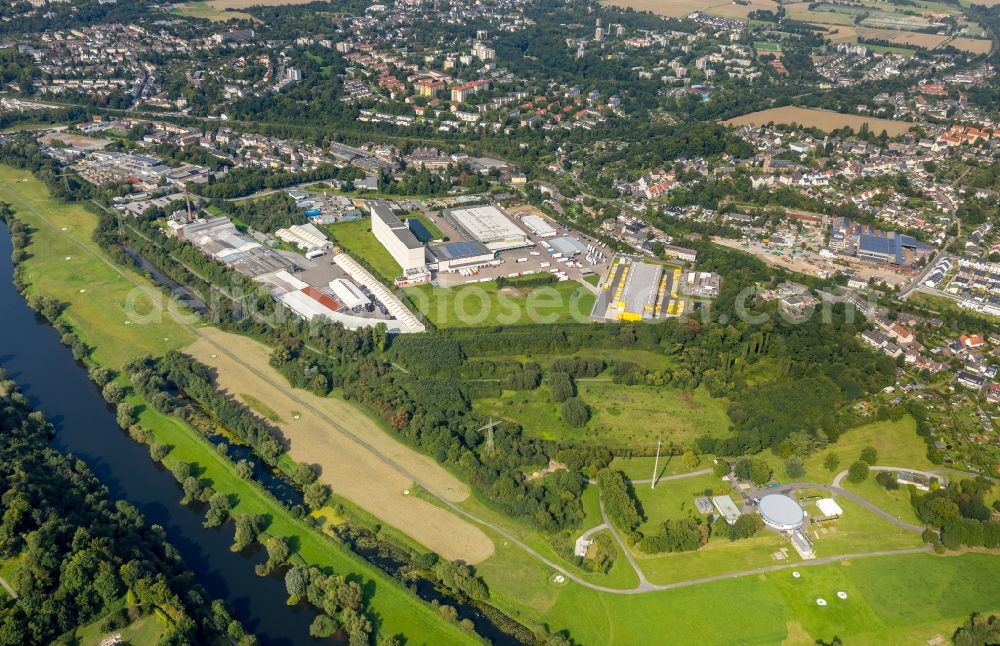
<point>144,630</point>
<point>356,238</point>
<point>114,309</point>
<point>897,443</point>
<point>641,468</point>
<point>893,599</point>
<point>673,499</point>
<point>483,304</point>
<point>626,417</point>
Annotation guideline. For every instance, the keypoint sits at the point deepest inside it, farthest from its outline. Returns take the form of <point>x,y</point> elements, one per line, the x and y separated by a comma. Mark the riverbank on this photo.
<point>97,294</point>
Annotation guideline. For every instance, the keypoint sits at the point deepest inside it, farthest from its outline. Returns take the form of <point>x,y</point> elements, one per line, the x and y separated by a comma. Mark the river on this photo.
<point>85,426</point>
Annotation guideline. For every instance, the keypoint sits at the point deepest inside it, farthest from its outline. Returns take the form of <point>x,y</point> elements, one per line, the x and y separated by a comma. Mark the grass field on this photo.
<point>769,608</point>
<point>144,630</point>
<point>67,265</point>
<point>972,45</point>
<point>353,471</point>
<point>913,38</point>
<point>484,304</point>
<point>822,119</point>
<point>673,499</point>
<point>206,11</point>
<point>356,238</point>
<point>682,8</point>
<point>621,416</point>
<point>395,608</point>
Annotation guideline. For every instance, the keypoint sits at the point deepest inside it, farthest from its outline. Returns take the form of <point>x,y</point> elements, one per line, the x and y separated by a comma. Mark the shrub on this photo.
<point>858,471</point>
<point>575,412</point>
<point>869,454</point>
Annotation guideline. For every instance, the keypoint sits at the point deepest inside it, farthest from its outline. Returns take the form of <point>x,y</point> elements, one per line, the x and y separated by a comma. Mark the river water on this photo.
<point>85,426</point>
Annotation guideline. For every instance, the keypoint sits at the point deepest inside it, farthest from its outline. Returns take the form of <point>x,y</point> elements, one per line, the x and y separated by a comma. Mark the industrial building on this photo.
<point>304,236</point>
<point>453,256</point>
<point>220,239</point>
<point>874,245</point>
<point>637,291</point>
<point>781,512</point>
<point>537,225</point>
<point>349,294</point>
<point>488,225</point>
<point>398,240</point>
<point>567,246</point>
<point>727,508</point>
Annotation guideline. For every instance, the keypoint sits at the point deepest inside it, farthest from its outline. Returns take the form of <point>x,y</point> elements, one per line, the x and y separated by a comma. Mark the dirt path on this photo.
<point>359,460</point>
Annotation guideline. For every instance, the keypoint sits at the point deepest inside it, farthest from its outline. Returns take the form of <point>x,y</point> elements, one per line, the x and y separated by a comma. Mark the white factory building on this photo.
<point>488,225</point>
<point>537,225</point>
<point>304,236</point>
<point>398,240</point>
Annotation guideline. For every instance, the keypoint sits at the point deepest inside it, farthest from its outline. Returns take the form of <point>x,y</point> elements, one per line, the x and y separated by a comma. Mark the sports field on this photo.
<point>826,120</point>
<point>485,304</point>
<point>114,309</point>
<point>682,8</point>
<point>621,416</point>
<point>356,471</point>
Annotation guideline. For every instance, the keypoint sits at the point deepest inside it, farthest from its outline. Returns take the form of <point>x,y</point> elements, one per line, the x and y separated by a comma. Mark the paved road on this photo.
<point>930,474</point>
<point>644,583</point>
<point>6,586</point>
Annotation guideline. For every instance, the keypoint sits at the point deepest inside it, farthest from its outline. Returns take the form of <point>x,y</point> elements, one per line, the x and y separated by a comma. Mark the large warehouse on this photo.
<point>781,512</point>
<point>397,238</point>
<point>453,256</point>
<point>488,225</point>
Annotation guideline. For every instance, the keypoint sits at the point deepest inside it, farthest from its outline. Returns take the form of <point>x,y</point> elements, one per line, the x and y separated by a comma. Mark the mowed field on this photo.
<point>916,39</point>
<point>771,608</point>
<point>486,304</point>
<point>682,8</point>
<point>243,4</point>
<point>114,309</point>
<point>822,119</point>
<point>972,45</point>
<point>348,447</point>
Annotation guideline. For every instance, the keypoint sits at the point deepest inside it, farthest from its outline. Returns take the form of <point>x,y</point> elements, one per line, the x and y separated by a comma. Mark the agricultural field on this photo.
<point>114,309</point>
<point>359,464</point>
<point>971,45</point>
<point>485,304</point>
<point>826,120</point>
<point>915,39</point>
<point>206,11</point>
<point>682,8</point>
<point>625,417</point>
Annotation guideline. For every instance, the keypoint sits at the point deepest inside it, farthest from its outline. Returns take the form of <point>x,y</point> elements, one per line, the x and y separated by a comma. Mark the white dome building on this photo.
<point>781,512</point>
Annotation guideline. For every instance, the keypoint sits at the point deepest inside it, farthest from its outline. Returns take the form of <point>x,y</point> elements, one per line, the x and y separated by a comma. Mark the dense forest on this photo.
<point>80,555</point>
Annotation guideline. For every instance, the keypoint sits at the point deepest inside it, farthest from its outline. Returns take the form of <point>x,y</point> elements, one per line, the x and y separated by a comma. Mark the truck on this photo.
<point>316,253</point>
<point>311,213</point>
